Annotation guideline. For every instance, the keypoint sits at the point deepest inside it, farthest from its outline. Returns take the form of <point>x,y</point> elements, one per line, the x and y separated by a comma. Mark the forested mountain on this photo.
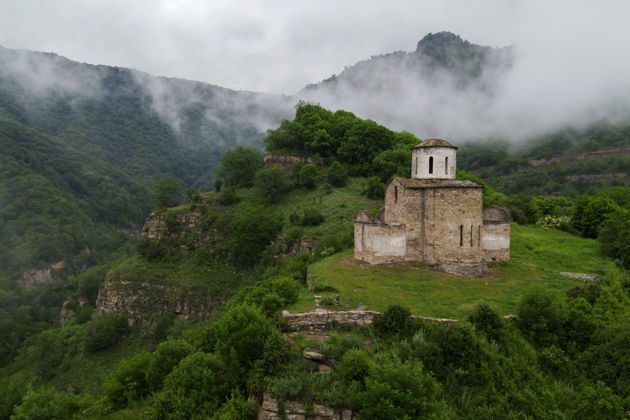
<point>81,145</point>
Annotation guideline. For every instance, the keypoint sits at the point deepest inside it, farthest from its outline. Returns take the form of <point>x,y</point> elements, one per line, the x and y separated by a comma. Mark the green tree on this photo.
<point>541,316</point>
<point>252,229</point>
<point>308,176</point>
<point>400,390</point>
<point>374,188</point>
<point>589,214</point>
<point>105,331</point>
<point>614,234</point>
<point>166,192</point>
<point>336,174</point>
<point>394,321</point>
<point>487,320</point>
<point>272,182</point>
<point>238,166</point>
<point>128,382</point>
<point>167,355</point>
<point>195,388</point>
<point>239,334</point>
<point>49,404</point>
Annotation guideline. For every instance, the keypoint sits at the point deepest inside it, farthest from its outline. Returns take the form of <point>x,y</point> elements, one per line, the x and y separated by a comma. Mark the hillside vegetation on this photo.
<point>243,253</point>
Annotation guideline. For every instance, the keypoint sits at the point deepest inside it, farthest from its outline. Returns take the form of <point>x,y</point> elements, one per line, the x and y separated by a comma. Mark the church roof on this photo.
<point>435,143</point>
<point>414,183</point>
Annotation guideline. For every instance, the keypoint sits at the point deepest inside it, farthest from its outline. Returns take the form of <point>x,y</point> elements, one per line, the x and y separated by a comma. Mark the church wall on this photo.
<point>379,244</point>
<point>404,205</point>
<point>496,242</point>
<point>453,221</point>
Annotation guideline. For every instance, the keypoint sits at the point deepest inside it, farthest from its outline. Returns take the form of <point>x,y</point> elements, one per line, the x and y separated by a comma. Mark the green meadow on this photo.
<point>538,255</point>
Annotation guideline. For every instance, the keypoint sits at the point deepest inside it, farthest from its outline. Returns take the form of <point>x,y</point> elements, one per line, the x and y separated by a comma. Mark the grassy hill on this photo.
<point>538,256</point>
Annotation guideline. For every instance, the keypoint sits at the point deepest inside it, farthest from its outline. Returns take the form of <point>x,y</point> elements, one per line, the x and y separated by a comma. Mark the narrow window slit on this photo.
<point>431,165</point>
<point>461,235</point>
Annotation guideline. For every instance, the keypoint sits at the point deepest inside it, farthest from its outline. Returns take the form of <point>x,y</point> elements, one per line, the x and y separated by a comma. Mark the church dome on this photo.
<point>435,143</point>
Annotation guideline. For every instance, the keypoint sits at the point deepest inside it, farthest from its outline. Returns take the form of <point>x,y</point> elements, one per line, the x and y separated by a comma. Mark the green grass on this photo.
<point>538,255</point>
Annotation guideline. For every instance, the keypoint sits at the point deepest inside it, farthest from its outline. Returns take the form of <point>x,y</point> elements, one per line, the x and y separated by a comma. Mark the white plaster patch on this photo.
<point>388,244</point>
<point>494,242</point>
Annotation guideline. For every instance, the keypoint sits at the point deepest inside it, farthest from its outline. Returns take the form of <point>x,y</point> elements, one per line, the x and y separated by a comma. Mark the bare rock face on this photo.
<point>143,302</point>
<point>30,279</point>
<point>271,409</point>
<point>163,225</point>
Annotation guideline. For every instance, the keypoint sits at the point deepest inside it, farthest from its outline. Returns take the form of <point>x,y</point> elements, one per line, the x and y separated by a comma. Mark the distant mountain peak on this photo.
<point>440,40</point>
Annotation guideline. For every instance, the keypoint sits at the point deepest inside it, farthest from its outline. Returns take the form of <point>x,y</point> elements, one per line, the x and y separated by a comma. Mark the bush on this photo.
<point>308,176</point>
<point>272,182</point>
<point>310,216</point>
<point>105,331</point>
<point>50,404</point>
<point>354,366</point>
<point>128,381</point>
<point>195,388</point>
<point>167,355</point>
<point>394,321</point>
<point>236,408</point>
<point>228,196</point>
<point>555,222</point>
<point>400,390</point>
<point>252,229</point>
<point>328,245</point>
<point>336,175</point>
<point>487,321</point>
<point>239,334</point>
<point>238,166</point>
<point>614,236</point>
<point>373,188</point>
<point>540,317</point>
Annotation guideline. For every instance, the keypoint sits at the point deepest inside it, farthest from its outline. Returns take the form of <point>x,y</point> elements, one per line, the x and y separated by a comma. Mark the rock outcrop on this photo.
<point>271,409</point>
<point>141,303</point>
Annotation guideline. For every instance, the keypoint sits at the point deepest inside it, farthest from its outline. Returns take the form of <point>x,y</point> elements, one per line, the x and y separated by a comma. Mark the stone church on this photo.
<point>434,219</point>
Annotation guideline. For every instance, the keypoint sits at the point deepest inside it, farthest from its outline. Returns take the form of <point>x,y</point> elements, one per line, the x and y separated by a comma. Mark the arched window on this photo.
<point>431,165</point>
<point>395,194</point>
<point>446,165</point>
<point>416,165</point>
<point>461,235</point>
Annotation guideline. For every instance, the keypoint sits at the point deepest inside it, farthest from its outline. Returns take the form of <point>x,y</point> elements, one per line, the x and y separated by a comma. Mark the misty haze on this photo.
<point>314,210</point>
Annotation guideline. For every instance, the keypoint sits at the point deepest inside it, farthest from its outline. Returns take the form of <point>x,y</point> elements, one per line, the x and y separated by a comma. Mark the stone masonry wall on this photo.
<point>318,321</point>
<point>496,242</point>
<point>447,211</point>
<point>379,243</point>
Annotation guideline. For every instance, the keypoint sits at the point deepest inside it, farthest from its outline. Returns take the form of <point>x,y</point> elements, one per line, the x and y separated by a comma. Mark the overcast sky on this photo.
<point>279,46</point>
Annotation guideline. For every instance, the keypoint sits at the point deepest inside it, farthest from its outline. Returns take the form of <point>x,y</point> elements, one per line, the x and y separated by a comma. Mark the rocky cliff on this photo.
<point>143,303</point>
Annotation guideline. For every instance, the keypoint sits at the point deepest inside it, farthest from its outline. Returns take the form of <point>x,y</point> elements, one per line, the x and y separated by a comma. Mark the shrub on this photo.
<point>555,222</point>
<point>236,408</point>
<point>272,182</point>
<point>328,245</point>
<point>128,381</point>
<point>487,321</point>
<point>354,366</point>
<point>239,334</point>
<point>400,390</point>
<point>228,196</point>
<point>167,355</point>
<point>336,174</point>
<point>50,404</point>
<point>105,331</point>
<point>394,321</point>
<point>614,236</point>
<point>252,229</point>
<point>308,176</point>
<point>311,217</point>
<point>541,317</point>
<point>373,188</point>
<point>238,166</point>
<point>195,388</point>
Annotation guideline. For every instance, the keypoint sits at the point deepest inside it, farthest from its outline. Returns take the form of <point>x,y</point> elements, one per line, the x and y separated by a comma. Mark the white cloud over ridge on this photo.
<point>572,63</point>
